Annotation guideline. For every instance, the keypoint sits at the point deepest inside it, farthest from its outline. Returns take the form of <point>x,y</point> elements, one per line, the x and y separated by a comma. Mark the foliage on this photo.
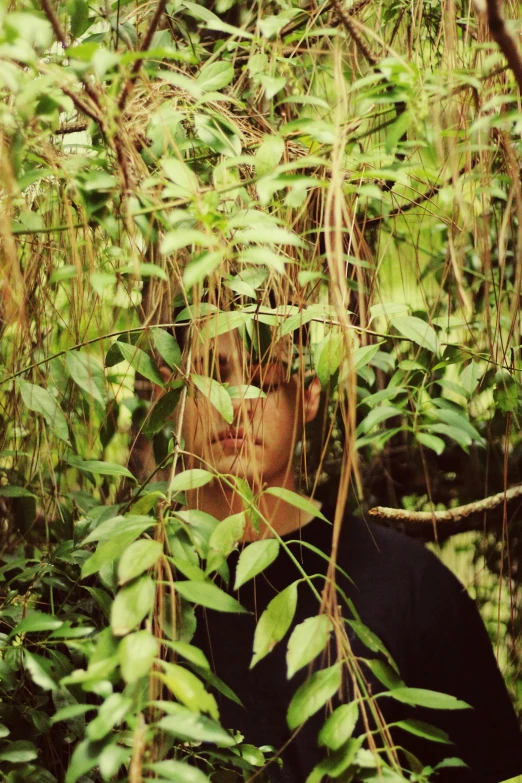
<point>252,171</point>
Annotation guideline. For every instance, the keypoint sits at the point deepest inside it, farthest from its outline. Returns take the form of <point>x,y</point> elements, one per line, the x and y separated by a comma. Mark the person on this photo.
<point>401,609</point>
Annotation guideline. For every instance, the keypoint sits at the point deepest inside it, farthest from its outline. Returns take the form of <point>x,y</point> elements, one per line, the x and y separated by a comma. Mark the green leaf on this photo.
<point>308,639</point>
<point>87,373</point>
<point>15,492</point>
<point>4,731</point>
<point>224,538</point>
<point>268,155</point>
<point>141,362</point>
<point>295,500</point>
<point>167,347</point>
<point>327,356</point>
<point>132,603</point>
<point>112,712</point>
<point>272,85</point>
<point>216,393</point>
<point>71,711</point>
<point>339,726</point>
<point>189,652</point>
<point>254,559</point>
<point>39,669</point>
<point>188,689</point>
<point>215,76</point>
<point>190,479</point>
<point>377,416</point>
<point>272,236</point>
<point>201,267</point>
<point>116,525</point>
<point>18,752</point>
<point>221,323</point>
<point>181,175</point>
<point>161,411</point>
<point>431,442</point>
<point>137,558</point>
<point>181,237</point>
<point>274,622</point>
<point>36,622</point>
<point>84,758</point>
<point>457,420</point>
<point>418,331</point>
<point>363,355</point>
<point>313,694</point>
<point>209,595</point>
<point>178,771</point>
<point>101,468</point>
<point>42,402</point>
<point>470,377</point>
<point>217,134</point>
<point>422,729</point>
<point>137,652</point>
<point>421,697</point>
<point>188,726</point>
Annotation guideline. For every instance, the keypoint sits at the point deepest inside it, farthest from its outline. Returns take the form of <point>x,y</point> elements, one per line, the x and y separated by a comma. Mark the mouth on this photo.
<point>234,438</point>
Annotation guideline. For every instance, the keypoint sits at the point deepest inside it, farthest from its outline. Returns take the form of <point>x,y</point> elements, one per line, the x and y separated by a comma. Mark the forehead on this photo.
<point>230,348</point>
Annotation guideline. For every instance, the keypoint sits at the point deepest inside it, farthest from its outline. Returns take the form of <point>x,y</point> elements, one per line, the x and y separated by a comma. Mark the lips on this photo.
<point>232,436</point>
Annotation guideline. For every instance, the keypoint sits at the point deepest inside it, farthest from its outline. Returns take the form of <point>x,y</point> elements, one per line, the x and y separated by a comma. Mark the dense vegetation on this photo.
<point>355,168</point>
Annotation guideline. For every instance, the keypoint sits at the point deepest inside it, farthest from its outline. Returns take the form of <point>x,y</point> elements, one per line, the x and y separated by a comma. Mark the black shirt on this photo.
<point>424,618</point>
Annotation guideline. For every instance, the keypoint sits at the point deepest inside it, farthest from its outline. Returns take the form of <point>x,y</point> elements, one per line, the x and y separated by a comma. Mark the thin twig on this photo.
<point>137,63</point>
<point>450,514</point>
<point>504,39</point>
<point>348,23</point>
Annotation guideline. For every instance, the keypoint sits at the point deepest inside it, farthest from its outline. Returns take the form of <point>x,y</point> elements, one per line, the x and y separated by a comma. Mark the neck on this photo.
<point>277,516</point>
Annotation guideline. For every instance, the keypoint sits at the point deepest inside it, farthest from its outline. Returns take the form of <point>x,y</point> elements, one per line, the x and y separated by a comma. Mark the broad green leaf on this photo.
<point>272,84</point>
<point>178,771</point>
<point>18,752</point>
<point>470,377</point>
<point>141,362</point>
<point>421,697</point>
<point>71,711</point>
<point>116,525</point>
<point>363,355</point>
<point>180,174</point>
<point>137,652</point>
<point>84,758</point>
<point>339,726</point>
<point>224,538</point>
<point>377,416</point>
<point>384,673</point>
<point>313,694</point>
<point>457,420</point>
<point>431,442</point>
<point>188,726</point>
<point>268,154</point>
<point>15,492</point>
<point>112,711</point>
<point>132,603</point>
<point>245,392</point>
<point>254,559</point>
<point>371,640</point>
<point>189,652</point>
<point>201,267</point>
<point>274,622</point>
<point>161,412</point>
<point>137,558</point>
<point>216,393</point>
<point>36,622</point>
<point>4,731</point>
<point>102,468</point>
<point>221,323</point>
<point>182,237</point>
<point>304,504</point>
<point>188,689</point>
<point>274,236</point>
<point>422,729</point>
<point>215,76</point>
<point>42,402</point>
<point>418,331</point>
<point>190,479</point>
<point>328,355</point>
<point>39,669</point>
<point>209,595</point>
<point>87,373</point>
<point>308,639</point>
<point>167,347</point>
<point>218,134</point>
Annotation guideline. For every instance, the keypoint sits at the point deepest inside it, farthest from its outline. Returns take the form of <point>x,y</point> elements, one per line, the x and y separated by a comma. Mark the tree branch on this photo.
<point>504,39</point>
<point>145,45</point>
<point>450,514</point>
<point>349,24</point>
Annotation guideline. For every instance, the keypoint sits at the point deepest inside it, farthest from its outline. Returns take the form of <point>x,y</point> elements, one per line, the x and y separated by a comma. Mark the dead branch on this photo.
<point>504,39</point>
<point>72,127</point>
<point>351,28</point>
<point>137,63</point>
<point>450,514</point>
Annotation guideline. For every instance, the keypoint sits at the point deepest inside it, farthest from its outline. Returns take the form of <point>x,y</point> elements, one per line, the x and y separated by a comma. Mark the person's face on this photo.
<point>259,444</point>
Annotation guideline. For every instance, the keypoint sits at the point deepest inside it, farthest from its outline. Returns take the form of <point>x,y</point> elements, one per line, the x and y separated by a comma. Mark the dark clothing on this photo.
<point>424,618</point>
